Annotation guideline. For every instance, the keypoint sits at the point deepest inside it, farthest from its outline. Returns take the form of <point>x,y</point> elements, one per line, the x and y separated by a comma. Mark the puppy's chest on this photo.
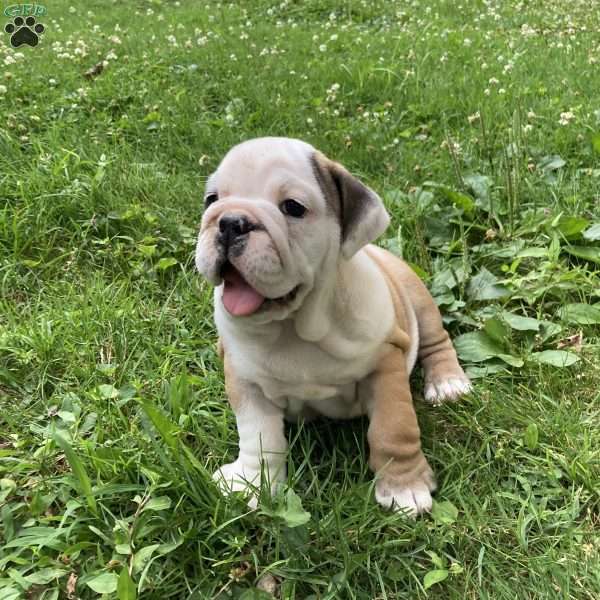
<point>293,368</point>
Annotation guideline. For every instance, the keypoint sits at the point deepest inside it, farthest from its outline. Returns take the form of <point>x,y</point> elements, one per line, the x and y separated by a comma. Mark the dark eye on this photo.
<point>292,208</point>
<point>210,198</point>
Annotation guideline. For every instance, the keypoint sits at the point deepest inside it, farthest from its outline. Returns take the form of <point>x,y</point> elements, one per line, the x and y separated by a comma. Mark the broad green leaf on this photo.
<point>520,323</point>
<point>147,250</point>
<point>444,512</point>
<point>142,556</point>
<point>165,263</point>
<point>479,185</point>
<point>81,476</point>
<point>556,358</point>
<point>580,314</point>
<point>293,514</point>
<point>531,436</point>
<point>571,226</point>
<point>480,372</point>
<point>438,562</point>
<point>596,142</point>
<point>532,252</point>
<point>497,330</point>
<point>106,583</point>
<point>170,546</point>
<point>459,199</point>
<point>476,346</point>
<point>484,286</point>
<point>585,252</point>
<point>433,577</point>
<point>107,391</point>
<point>45,576</point>
<point>551,163</point>
<point>549,330</point>
<point>514,361</point>
<point>592,233</point>
<point>126,589</point>
<point>159,503</point>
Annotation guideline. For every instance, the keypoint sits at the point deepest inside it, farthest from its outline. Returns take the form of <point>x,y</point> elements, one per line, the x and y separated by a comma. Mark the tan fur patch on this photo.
<point>436,352</point>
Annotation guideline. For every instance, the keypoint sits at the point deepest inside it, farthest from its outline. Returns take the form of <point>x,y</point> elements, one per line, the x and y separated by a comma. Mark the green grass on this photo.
<point>112,409</point>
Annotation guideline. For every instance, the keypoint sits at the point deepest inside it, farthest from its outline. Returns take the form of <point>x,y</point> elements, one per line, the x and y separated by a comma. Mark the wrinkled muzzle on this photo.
<point>244,247</point>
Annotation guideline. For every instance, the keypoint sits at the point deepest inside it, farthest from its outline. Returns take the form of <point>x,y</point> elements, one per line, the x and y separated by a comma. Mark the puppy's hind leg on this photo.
<point>444,377</point>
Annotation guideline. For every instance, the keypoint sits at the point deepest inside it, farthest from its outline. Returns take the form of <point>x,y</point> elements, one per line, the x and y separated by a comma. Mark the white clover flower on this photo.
<point>323,48</point>
<point>502,91</point>
<point>3,90</point>
<point>531,115</point>
<point>467,42</point>
<point>474,117</point>
<point>493,81</point>
<point>566,118</point>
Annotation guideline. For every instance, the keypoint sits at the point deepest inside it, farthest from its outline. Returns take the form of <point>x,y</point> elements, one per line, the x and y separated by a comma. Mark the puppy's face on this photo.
<point>279,215</point>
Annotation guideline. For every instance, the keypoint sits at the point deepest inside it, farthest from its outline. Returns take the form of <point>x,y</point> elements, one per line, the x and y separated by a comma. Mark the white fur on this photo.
<point>413,499</point>
<point>447,389</point>
<point>263,446</point>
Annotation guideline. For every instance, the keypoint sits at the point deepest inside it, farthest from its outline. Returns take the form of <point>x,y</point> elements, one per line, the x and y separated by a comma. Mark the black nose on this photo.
<point>232,227</point>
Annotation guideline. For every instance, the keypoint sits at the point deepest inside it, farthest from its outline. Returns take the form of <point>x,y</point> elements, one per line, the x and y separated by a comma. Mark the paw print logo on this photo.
<point>24,31</point>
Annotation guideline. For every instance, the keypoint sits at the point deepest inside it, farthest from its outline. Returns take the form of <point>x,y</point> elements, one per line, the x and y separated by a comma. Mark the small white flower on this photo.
<point>323,47</point>
<point>493,81</point>
<point>566,117</point>
<point>3,90</point>
<point>502,91</point>
<point>474,117</point>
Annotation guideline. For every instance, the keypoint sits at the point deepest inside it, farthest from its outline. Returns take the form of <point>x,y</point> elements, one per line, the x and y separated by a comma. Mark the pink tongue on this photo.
<point>239,298</point>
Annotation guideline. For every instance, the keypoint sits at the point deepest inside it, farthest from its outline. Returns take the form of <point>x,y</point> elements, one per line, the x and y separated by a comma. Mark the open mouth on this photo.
<point>241,299</point>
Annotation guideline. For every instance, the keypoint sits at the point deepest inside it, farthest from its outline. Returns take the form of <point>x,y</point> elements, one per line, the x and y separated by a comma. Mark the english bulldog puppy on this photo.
<point>313,319</point>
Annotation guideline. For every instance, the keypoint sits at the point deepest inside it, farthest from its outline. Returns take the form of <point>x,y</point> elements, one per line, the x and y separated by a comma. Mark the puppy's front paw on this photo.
<point>413,497</point>
<point>237,477</point>
<point>448,387</point>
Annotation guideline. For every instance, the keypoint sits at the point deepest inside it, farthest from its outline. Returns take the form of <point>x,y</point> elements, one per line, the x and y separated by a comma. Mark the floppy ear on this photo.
<point>359,209</point>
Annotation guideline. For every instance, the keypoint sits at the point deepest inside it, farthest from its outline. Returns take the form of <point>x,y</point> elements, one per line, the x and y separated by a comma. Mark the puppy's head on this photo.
<point>279,216</point>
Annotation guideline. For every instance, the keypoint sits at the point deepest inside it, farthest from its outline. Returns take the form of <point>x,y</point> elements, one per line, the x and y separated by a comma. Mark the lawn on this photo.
<point>479,125</point>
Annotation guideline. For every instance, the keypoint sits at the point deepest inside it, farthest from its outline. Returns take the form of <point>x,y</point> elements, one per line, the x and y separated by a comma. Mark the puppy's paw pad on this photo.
<point>440,390</point>
<point>412,499</point>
